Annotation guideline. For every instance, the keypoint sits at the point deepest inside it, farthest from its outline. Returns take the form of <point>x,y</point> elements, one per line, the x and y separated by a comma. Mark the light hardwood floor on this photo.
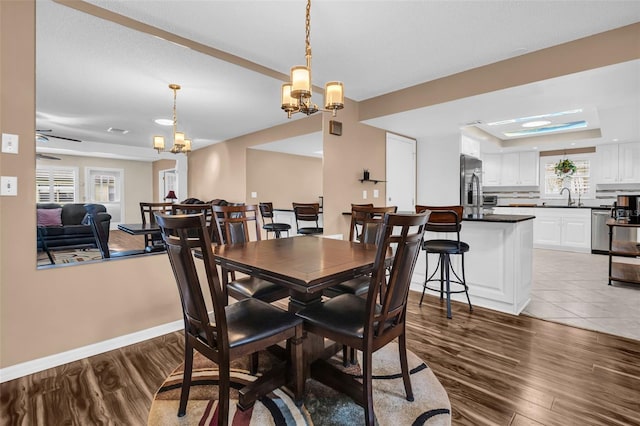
<point>497,369</point>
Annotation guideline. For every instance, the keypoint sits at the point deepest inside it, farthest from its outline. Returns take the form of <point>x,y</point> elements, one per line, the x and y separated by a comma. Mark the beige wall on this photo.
<point>283,178</point>
<point>219,171</point>
<point>137,179</point>
<point>50,311</point>
<point>44,312</point>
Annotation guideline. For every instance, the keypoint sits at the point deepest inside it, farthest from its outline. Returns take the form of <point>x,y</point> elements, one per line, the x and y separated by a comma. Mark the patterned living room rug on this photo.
<point>322,405</point>
<point>69,256</point>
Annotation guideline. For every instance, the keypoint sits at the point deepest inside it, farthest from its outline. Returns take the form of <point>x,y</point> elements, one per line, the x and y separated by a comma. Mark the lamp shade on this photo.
<point>171,196</point>
<point>289,103</point>
<point>334,95</point>
<point>158,143</point>
<point>300,82</point>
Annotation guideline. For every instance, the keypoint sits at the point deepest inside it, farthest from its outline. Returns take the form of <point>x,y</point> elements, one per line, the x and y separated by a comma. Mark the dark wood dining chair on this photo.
<point>445,219</point>
<point>369,220</point>
<point>356,223</point>
<point>266,211</point>
<point>366,224</point>
<point>147,210</point>
<point>234,225</point>
<point>307,212</point>
<point>231,331</point>
<point>204,208</point>
<point>370,324</point>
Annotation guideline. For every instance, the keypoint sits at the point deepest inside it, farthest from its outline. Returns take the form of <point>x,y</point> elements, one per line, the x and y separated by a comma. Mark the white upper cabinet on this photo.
<point>512,169</point>
<point>492,167</point>
<point>619,163</point>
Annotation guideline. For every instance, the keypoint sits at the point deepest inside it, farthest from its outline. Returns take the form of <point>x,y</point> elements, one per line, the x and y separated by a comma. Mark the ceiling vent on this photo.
<point>116,130</point>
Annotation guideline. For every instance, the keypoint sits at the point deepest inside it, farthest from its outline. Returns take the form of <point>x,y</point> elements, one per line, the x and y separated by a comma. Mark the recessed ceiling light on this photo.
<point>534,117</point>
<point>535,147</point>
<point>616,140</point>
<point>164,121</point>
<point>573,143</point>
<point>547,129</point>
<point>536,123</point>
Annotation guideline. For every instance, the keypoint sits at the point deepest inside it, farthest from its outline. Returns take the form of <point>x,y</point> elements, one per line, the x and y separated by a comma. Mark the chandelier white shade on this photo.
<point>296,94</point>
<point>180,143</point>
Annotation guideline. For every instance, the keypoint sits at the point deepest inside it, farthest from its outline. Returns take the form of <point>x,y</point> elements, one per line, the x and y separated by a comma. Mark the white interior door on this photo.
<point>401,172</point>
<point>104,186</point>
<point>168,182</point>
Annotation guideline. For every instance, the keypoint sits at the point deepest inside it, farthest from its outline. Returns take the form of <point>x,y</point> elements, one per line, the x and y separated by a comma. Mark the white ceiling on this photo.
<point>93,74</point>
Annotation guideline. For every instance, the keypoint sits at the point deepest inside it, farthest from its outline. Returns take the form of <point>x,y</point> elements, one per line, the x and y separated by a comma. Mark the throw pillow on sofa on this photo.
<point>49,217</point>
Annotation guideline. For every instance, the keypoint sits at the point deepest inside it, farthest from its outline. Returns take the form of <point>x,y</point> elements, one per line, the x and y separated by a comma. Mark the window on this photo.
<point>104,188</point>
<point>56,184</point>
<point>580,183</point>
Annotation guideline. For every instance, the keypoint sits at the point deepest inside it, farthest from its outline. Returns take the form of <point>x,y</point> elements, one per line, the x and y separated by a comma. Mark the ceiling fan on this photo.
<point>44,135</point>
<point>40,156</point>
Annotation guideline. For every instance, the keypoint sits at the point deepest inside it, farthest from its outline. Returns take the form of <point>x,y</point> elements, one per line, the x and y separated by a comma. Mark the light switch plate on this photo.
<point>254,195</point>
<point>9,185</point>
<point>364,194</point>
<point>10,143</point>
<point>376,193</point>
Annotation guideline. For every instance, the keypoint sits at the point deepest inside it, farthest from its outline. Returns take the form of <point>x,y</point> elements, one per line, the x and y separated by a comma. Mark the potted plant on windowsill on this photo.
<point>565,168</point>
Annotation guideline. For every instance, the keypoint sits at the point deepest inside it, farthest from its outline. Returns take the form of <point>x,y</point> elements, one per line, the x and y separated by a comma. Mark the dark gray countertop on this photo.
<point>561,207</point>
<point>504,218</point>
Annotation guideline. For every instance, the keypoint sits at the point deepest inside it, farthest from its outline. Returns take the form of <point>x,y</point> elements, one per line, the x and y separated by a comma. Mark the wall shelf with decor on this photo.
<point>375,181</point>
<point>366,178</point>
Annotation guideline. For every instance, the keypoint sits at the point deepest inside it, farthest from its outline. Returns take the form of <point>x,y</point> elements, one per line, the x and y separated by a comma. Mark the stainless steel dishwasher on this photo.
<point>600,232</point>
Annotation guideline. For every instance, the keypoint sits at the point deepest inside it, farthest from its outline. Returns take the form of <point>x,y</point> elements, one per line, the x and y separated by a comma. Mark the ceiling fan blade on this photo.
<point>66,139</point>
<point>46,157</point>
<point>47,133</point>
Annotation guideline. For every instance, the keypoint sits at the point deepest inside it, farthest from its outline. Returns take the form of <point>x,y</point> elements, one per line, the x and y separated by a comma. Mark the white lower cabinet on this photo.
<point>567,229</point>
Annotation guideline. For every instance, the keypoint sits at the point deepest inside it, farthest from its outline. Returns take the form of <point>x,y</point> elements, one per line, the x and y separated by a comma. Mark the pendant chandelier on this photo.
<point>180,143</point>
<point>296,94</point>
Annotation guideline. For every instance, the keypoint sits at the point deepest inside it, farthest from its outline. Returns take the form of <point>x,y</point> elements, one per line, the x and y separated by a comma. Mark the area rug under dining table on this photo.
<point>322,405</point>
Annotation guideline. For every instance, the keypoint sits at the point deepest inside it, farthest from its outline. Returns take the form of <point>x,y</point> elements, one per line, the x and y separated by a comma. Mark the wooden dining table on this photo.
<point>305,265</point>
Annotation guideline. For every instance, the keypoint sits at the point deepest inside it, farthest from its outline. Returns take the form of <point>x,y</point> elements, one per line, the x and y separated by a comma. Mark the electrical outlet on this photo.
<point>9,185</point>
<point>10,143</point>
<point>376,193</point>
<point>364,194</point>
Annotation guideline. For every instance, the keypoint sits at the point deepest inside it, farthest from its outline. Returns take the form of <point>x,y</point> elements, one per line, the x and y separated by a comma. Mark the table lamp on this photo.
<point>171,196</point>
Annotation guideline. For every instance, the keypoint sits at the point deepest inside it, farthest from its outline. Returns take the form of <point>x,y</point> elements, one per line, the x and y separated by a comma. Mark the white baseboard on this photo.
<point>30,367</point>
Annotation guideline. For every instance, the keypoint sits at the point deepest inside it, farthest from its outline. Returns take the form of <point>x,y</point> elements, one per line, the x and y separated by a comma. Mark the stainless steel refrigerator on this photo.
<point>471,185</point>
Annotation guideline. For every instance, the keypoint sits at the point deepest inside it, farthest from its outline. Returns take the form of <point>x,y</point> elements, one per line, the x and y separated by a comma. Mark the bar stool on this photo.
<point>266,211</point>
<point>445,219</point>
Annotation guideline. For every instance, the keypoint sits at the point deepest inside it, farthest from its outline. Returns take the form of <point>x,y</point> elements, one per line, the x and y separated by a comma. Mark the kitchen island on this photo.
<point>498,266</point>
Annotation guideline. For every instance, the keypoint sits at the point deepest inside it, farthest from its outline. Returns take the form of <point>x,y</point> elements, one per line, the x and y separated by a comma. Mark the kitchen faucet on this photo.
<point>569,202</point>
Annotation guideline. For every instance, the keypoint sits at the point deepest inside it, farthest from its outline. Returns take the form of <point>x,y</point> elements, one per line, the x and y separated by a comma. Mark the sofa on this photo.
<point>64,225</point>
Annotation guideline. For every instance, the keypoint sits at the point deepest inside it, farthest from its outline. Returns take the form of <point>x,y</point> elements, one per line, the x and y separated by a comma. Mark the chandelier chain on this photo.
<point>175,114</point>
<point>308,30</point>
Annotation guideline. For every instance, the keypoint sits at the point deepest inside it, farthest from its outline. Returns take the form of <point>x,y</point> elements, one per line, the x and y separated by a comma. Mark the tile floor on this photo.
<point>571,288</point>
